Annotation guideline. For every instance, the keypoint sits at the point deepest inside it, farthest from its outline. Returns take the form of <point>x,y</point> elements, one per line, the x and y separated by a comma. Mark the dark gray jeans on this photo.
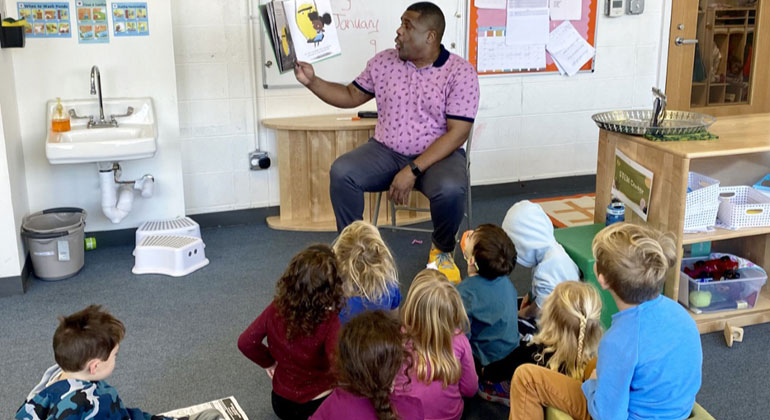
<point>372,166</point>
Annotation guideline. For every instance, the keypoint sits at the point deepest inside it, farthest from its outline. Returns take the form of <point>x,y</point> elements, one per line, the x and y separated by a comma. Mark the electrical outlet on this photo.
<point>258,160</point>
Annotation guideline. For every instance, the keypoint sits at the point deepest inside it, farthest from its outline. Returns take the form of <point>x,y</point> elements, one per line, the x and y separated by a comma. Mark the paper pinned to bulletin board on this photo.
<point>130,19</point>
<point>92,22</point>
<point>46,19</point>
<point>632,184</point>
<point>492,52</point>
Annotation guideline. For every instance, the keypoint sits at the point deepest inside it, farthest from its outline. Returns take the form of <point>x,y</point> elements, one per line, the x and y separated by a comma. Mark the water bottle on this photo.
<point>616,212</point>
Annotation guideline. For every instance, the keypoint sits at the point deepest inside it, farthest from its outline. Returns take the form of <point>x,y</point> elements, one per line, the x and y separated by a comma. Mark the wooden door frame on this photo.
<point>760,84</point>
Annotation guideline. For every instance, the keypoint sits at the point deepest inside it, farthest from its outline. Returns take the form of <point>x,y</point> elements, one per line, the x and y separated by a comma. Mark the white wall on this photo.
<point>130,67</point>
<point>528,127</point>
<point>13,189</point>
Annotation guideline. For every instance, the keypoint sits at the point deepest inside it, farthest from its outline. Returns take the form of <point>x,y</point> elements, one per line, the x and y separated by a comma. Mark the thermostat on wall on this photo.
<point>613,8</point>
<point>635,7</point>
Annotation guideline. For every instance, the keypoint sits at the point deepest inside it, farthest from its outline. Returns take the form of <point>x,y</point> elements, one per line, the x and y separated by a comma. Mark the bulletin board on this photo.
<point>492,22</point>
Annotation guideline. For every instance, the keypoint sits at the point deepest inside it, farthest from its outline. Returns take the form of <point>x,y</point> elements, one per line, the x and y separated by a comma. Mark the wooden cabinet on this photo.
<point>740,156</point>
<point>307,147</point>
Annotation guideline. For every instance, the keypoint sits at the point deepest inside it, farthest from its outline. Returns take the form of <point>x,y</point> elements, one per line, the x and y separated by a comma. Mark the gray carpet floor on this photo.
<point>180,347</point>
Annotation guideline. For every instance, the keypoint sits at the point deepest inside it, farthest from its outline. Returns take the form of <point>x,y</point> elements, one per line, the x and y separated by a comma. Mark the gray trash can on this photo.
<point>55,241</point>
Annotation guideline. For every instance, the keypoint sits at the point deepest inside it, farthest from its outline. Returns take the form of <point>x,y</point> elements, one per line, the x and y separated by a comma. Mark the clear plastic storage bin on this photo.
<point>702,295</point>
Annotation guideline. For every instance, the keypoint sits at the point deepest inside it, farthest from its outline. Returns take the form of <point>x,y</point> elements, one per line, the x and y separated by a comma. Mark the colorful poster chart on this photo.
<point>92,22</point>
<point>46,20</point>
<point>130,19</point>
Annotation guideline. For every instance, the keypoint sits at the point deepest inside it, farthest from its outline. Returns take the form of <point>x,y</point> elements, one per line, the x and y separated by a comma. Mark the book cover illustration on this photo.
<point>312,29</point>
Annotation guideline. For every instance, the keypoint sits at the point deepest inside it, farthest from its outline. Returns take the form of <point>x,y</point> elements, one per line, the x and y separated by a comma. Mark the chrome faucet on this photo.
<point>96,89</point>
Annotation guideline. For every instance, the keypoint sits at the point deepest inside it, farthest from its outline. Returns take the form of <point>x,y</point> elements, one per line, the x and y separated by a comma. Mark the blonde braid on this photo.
<point>581,338</point>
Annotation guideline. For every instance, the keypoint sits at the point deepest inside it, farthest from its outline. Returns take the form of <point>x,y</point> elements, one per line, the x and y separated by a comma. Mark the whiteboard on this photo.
<point>365,27</point>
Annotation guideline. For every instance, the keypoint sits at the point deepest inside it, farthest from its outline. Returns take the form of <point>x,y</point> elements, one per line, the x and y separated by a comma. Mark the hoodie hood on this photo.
<point>531,231</point>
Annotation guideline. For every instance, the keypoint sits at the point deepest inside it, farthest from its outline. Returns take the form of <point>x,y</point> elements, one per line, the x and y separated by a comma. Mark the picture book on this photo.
<point>301,30</point>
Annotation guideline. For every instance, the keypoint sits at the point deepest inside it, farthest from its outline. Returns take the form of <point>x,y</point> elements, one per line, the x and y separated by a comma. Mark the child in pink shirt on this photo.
<point>443,372</point>
<point>370,354</point>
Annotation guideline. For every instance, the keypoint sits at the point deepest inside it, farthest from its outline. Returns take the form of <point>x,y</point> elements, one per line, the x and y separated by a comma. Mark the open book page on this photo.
<point>312,30</point>
<point>227,407</point>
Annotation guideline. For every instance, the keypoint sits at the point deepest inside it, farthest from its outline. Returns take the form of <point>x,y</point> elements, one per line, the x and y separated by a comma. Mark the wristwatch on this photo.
<point>415,169</point>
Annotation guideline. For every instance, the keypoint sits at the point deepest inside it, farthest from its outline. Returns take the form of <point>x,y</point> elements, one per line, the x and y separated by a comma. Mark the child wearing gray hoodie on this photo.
<point>531,232</point>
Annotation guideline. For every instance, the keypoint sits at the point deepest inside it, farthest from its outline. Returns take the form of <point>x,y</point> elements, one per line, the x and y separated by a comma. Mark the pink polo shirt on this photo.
<point>413,104</point>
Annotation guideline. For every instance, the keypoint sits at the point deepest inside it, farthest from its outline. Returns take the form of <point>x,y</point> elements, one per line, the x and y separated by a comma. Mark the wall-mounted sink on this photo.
<point>135,137</point>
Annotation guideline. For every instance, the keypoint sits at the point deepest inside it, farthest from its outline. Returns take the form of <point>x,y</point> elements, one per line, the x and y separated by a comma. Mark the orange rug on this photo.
<point>573,210</point>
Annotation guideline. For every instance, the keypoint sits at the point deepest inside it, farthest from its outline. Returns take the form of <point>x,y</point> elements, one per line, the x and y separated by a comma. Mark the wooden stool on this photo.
<point>698,413</point>
<point>732,334</point>
<point>556,414</point>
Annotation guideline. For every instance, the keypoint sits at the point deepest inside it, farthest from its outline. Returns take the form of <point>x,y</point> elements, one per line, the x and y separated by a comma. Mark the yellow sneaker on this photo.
<point>445,263</point>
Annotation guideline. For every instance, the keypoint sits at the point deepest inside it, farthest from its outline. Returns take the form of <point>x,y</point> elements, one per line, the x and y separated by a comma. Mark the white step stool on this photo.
<point>183,226</point>
<point>172,255</point>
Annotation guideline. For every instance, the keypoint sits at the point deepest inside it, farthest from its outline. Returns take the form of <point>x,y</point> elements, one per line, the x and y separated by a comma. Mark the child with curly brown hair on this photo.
<point>301,326</point>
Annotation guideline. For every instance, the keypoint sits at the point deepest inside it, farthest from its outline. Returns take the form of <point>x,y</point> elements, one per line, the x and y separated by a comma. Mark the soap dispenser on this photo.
<point>60,121</point>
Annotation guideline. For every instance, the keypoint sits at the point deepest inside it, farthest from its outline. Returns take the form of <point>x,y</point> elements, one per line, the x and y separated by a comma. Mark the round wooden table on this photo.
<point>307,147</point>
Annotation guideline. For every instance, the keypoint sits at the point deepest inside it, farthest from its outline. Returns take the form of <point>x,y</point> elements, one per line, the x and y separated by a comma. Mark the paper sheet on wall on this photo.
<point>569,49</point>
<point>490,4</point>
<point>566,9</point>
<point>527,22</point>
<point>495,55</point>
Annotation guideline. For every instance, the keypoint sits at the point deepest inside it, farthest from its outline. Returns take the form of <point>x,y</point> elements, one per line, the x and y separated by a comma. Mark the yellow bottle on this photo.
<point>60,121</point>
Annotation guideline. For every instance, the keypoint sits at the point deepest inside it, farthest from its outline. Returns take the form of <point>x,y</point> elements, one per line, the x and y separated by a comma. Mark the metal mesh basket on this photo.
<point>638,122</point>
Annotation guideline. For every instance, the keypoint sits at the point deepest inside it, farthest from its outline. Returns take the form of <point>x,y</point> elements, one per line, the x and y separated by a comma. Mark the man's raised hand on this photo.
<point>304,72</point>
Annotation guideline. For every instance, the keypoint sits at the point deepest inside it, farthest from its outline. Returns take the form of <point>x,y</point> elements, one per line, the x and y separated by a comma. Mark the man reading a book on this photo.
<point>427,99</point>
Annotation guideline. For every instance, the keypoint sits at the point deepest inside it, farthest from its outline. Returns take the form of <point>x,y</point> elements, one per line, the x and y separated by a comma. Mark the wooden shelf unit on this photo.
<point>730,30</point>
<point>740,156</point>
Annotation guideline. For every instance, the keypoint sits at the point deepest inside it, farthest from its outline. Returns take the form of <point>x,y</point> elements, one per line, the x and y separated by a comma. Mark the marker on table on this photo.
<point>348,118</point>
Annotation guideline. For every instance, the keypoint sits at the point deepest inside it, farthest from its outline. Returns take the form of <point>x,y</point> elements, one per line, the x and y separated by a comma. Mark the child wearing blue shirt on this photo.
<point>649,363</point>
<point>489,299</point>
<point>368,271</point>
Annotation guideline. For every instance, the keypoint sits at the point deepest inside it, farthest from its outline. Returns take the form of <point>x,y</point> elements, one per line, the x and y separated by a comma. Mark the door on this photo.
<point>719,56</point>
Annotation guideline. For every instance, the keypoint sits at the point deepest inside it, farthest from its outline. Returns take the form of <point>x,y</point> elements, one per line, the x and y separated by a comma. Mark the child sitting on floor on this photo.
<point>531,231</point>
<point>569,330</point>
<point>367,269</point>
<point>85,346</point>
<point>371,353</point>
<point>435,322</point>
<point>301,326</point>
<point>489,299</point>
<point>649,363</point>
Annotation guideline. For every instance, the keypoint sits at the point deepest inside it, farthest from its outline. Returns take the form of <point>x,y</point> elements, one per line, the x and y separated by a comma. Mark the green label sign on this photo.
<point>632,184</point>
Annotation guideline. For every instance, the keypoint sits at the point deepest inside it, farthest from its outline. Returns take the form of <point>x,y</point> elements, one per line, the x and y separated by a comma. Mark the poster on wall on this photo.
<point>46,19</point>
<point>130,19</point>
<point>632,184</point>
<point>92,22</point>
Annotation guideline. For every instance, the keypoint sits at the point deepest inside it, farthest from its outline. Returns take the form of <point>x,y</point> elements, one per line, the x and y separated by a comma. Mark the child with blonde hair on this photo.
<point>435,322</point>
<point>649,363</point>
<point>570,329</point>
<point>368,271</point>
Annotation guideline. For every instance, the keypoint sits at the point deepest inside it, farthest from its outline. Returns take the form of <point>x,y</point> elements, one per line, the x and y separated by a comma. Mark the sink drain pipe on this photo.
<point>117,195</point>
